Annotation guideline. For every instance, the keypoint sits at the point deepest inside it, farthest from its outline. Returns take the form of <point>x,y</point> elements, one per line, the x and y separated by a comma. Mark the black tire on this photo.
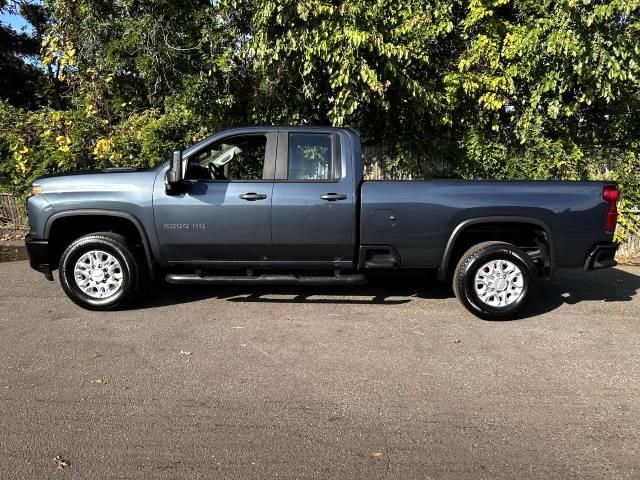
<point>113,244</point>
<point>478,256</point>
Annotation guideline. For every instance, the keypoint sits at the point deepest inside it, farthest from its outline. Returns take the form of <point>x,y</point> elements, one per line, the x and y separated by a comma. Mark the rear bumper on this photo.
<point>601,256</point>
<point>38,251</point>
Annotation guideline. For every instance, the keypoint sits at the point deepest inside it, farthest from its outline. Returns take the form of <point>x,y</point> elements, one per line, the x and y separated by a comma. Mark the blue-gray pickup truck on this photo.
<point>289,205</point>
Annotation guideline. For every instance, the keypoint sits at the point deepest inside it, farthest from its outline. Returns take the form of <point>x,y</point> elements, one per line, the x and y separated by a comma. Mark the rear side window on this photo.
<point>310,157</point>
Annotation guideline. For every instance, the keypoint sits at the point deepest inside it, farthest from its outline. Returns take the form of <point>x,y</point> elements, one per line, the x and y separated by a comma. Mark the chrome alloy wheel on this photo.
<point>98,274</point>
<point>499,283</point>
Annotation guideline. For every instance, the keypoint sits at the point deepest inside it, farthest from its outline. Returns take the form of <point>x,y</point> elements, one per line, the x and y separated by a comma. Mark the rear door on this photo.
<point>313,211</point>
<point>224,214</point>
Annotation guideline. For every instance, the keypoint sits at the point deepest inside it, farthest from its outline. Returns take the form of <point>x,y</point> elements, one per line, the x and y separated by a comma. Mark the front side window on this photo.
<point>238,158</point>
<point>310,157</point>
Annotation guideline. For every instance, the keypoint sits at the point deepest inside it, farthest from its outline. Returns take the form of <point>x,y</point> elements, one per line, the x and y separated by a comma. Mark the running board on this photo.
<point>267,279</point>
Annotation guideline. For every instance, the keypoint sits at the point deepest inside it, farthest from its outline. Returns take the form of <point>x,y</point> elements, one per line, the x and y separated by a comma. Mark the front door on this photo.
<point>224,214</point>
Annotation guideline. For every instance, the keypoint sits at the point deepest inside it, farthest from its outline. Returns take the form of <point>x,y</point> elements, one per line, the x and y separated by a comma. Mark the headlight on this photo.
<point>36,190</point>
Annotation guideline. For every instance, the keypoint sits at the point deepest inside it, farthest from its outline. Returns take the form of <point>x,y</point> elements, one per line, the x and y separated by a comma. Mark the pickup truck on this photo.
<point>289,205</point>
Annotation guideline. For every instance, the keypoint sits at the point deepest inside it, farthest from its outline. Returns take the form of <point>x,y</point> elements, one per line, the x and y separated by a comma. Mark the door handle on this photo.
<point>332,197</point>
<point>252,197</point>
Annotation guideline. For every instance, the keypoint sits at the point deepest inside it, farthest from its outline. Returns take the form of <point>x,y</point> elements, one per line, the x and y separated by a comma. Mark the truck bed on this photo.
<point>418,218</point>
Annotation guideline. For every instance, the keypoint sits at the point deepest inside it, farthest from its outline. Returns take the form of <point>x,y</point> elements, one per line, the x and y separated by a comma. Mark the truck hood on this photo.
<point>93,172</point>
<point>97,181</point>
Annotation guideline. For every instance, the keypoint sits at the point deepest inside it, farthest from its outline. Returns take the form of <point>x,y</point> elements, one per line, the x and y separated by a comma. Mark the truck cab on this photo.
<point>276,197</point>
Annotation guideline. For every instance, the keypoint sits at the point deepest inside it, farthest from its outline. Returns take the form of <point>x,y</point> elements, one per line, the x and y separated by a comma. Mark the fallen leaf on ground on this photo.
<point>182,352</point>
<point>377,454</point>
<point>60,462</point>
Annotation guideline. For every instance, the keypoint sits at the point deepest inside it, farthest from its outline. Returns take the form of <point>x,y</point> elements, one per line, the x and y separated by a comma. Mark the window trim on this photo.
<point>282,157</point>
<point>268,171</point>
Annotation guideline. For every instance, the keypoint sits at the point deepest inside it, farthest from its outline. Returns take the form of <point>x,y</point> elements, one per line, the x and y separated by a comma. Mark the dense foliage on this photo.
<point>21,82</point>
<point>489,88</point>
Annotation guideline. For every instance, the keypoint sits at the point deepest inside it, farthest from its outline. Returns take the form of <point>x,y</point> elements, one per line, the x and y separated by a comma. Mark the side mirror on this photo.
<point>173,179</point>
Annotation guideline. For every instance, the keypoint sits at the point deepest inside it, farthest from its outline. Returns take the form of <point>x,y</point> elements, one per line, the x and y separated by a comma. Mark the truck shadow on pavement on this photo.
<point>571,287</point>
<point>397,288</point>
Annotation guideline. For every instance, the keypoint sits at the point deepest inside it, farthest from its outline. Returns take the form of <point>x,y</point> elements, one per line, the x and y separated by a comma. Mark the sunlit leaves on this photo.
<point>357,49</point>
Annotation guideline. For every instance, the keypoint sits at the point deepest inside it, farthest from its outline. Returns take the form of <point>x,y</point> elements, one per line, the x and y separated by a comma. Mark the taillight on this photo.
<point>611,194</point>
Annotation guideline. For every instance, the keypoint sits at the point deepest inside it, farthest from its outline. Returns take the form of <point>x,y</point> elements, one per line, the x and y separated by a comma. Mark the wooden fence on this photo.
<point>379,164</point>
<point>12,213</point>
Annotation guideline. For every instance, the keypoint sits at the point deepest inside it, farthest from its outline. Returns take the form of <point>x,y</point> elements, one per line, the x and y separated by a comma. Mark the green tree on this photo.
<point>377,65</point>
<point>545,87</point>
<point>21,81</point>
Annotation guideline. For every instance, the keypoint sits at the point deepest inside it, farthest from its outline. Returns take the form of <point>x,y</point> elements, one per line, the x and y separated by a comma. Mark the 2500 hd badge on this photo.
<point>184,226</point>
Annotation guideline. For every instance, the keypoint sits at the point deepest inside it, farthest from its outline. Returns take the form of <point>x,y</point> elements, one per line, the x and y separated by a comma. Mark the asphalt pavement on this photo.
<point>393,379</point>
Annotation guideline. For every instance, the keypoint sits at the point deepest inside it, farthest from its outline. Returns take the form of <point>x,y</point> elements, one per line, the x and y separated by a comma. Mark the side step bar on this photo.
<point>266,279</point>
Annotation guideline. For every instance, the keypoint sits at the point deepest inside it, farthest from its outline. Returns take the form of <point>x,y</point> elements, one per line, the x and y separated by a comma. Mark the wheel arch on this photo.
<point>460,229</point>
<point>102,214</point>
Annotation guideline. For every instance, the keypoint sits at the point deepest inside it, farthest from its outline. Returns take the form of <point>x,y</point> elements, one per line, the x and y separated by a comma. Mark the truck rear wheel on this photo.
<point>100,271</point>
<point>496,280</point>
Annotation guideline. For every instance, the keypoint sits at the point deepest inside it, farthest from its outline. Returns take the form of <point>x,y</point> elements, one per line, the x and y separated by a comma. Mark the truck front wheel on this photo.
<point>100,271</point>
<point>496,280</point>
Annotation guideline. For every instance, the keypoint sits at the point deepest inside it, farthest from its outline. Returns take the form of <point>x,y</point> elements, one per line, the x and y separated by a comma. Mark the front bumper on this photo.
<point>601,255</point>
<point>38,251</point>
